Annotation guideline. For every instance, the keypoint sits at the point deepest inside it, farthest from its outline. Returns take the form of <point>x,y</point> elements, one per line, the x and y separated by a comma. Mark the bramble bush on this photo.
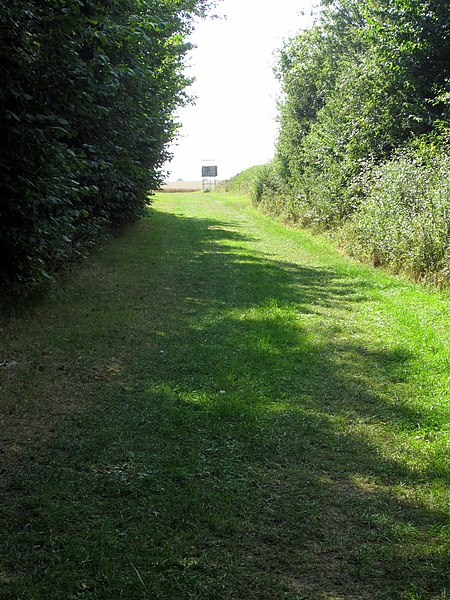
<point>404,220</point>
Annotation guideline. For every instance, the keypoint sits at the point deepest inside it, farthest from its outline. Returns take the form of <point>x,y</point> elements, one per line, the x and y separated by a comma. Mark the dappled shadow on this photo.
<point>264,405</point>
<point>297,381</point>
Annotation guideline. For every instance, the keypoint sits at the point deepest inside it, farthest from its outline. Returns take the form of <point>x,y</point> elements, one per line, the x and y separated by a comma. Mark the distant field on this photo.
<point>181,186</point>
<point>184,186</point>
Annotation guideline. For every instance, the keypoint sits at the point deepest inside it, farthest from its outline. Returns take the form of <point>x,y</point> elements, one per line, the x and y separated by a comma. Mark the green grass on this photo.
<point>217,407</point>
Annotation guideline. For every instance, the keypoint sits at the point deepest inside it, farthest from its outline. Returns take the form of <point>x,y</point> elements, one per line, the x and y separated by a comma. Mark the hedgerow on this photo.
<point>243,182</point>
<point>363,136</point>
<point>88,94</point>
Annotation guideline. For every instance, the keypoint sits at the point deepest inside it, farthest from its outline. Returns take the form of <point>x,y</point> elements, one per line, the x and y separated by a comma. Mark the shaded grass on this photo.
<point>251,416</point>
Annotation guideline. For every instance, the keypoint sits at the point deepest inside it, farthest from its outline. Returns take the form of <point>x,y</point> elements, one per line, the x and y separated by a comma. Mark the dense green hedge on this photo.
<point>256,182</point>
<point>364,130</point>
<point>88,91</point>
<point>404,219</point>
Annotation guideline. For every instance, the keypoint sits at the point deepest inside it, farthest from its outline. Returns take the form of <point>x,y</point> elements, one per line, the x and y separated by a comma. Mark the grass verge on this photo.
<point>220,407</point>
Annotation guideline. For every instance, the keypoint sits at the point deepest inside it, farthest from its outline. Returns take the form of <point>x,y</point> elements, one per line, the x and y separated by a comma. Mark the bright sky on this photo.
<point>233,123</point>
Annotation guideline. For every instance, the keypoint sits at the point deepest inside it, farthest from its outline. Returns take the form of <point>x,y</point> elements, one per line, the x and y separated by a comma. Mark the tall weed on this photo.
<point>404,220</point>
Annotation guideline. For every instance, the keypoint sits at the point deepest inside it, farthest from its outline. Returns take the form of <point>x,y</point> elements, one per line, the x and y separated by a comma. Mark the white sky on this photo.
<point>233,123</point>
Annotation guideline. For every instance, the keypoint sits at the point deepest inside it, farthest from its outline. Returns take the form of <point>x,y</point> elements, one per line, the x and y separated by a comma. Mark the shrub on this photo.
<point>88,94</point>
<point>243,182</point>
<point>404,220</point>
<point>263,184</point>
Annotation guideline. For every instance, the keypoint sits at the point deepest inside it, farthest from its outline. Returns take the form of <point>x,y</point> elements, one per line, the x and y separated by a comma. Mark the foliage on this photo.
<point>404,219</point>
<point>261,183</point>
<point>371,77</point>
<point>243,182</point>
<point>88,93</point>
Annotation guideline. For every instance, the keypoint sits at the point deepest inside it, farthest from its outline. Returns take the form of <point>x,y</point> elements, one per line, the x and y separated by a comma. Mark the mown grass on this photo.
<point>220,407</point>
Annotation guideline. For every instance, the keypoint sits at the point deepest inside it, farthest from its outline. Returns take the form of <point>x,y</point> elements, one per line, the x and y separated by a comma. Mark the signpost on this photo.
<point>208,171</point>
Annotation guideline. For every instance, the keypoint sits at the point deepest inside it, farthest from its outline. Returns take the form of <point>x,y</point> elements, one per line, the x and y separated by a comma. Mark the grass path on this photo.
<point>217,407</point>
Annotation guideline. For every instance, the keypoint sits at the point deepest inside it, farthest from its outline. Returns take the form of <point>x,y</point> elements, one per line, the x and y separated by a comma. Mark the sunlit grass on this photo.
<point>219,407</point>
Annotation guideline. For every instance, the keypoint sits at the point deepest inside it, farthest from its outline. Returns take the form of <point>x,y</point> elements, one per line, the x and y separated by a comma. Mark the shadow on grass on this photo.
<point>241,453</point>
